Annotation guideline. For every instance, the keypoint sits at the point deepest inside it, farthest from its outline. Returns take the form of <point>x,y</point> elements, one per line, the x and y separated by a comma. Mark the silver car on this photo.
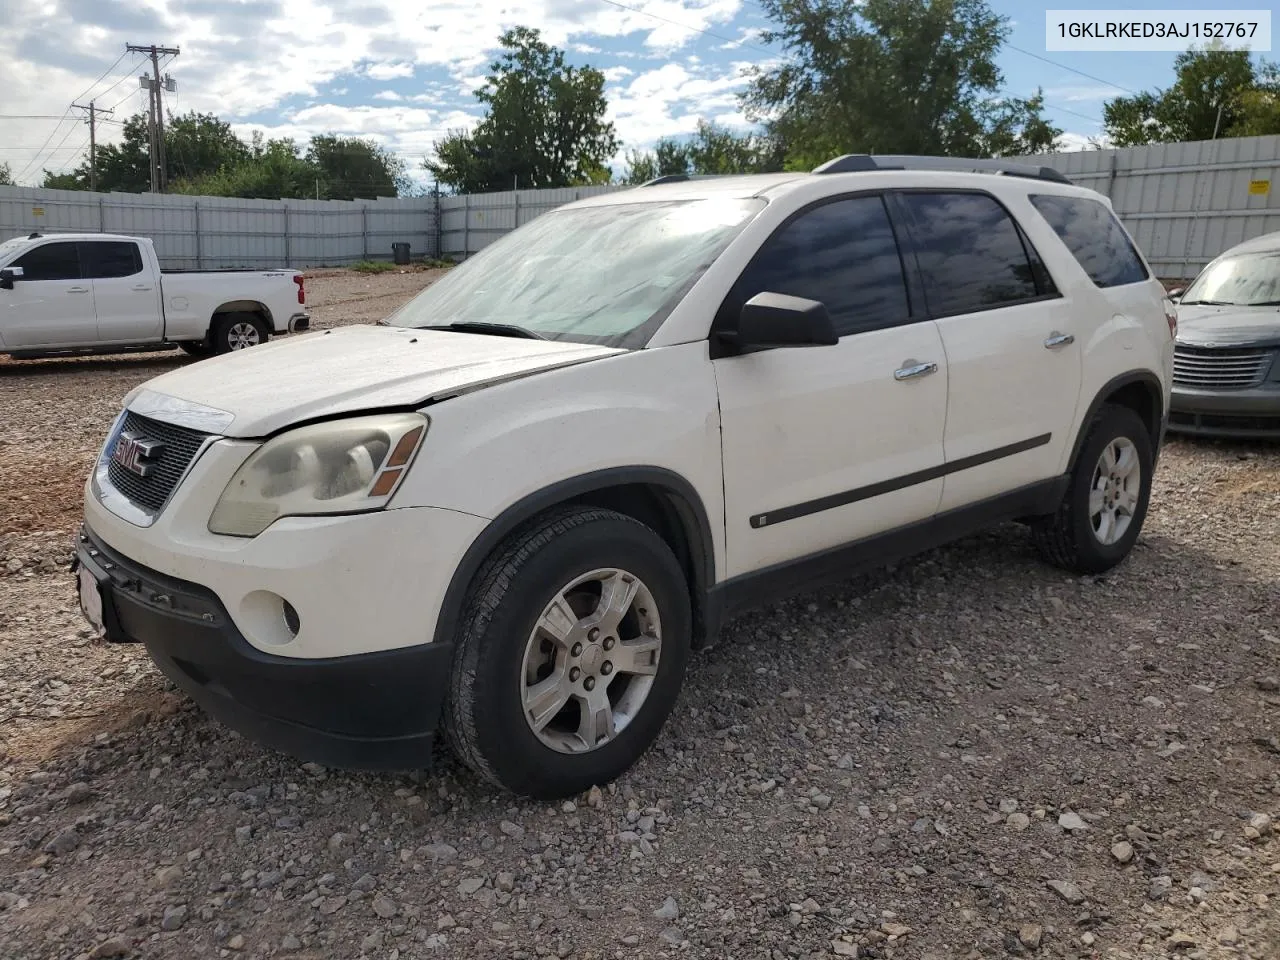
<point>1226,362</point>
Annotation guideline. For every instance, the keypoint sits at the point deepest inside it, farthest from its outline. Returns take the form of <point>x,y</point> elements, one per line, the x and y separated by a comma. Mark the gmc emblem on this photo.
<point>136,454</point>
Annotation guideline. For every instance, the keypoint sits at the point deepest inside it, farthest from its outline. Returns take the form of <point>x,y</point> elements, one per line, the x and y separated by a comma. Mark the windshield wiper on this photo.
<point>1209,303</point>
<point>493,329</point>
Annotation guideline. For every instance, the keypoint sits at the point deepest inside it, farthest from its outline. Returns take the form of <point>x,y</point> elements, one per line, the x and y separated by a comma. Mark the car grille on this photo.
<point>1219,368</point>
<point>180,447</point>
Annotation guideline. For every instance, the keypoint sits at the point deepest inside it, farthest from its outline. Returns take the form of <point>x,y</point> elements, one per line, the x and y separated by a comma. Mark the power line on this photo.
<point>104,75</point>
<point>1063,66</point>
<point>36,156</point>
<point>30,116</point>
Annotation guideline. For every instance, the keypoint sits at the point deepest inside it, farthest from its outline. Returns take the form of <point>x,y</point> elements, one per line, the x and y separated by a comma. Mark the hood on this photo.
<point>1209,326</point>
<point>254,392</point>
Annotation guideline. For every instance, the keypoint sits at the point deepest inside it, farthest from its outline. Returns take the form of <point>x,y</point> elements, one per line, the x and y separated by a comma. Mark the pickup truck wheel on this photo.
<point>238,331</point>
<point>1102,513</point>
<point>572,652</point>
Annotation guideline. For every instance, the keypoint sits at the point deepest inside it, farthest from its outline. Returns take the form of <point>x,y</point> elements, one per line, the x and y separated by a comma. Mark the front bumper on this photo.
<point>1254,412</point>
<point>371,711</point>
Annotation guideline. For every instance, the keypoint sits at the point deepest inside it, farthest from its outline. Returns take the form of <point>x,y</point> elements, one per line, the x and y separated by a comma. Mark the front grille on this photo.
<point>167,467</point>
<point>1220,368</point>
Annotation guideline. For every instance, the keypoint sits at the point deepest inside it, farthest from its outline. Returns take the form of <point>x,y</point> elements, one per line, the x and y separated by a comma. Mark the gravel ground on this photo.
<point>969,756</point>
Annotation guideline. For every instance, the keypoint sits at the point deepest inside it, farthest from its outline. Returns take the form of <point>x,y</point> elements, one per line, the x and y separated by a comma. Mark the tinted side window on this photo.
<point>1094,237</point>
<point>53,261</point>
<point>110,258</point>
<point>842,253</point>
<point>970,252</point>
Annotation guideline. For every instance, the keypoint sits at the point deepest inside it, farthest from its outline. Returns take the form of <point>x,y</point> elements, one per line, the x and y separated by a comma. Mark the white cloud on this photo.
<point>1071,142</point>
<point>614,74</point>
<point>1081,93</point>
<point>256,59</point>
<point>388,71</point>
<point>670,100</point>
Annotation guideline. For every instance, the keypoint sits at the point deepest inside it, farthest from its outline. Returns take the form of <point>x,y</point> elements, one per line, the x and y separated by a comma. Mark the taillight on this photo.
<point>300,280</point>
<point>1171,317</point>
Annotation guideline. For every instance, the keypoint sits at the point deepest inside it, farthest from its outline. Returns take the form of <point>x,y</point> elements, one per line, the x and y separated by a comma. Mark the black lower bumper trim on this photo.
<point>374,711</point>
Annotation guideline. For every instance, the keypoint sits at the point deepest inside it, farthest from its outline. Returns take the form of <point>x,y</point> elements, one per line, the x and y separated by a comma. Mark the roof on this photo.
<point>843,172</point>
<point>76,236</point>
<point>1267,243</point>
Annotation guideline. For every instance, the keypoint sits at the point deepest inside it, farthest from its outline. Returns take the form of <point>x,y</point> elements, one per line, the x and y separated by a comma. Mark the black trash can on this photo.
<point>400,252</point>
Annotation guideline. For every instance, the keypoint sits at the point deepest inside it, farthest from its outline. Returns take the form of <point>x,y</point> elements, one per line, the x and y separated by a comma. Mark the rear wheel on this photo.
<point>237,331</point>
<point>571,654</point>
<point>1104,508</point>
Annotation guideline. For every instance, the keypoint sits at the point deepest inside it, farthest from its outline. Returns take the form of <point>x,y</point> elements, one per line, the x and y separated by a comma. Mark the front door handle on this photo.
<point>77,289</point>
<point>910,369</point>
<point>1058,340</point>
<point>141,287</point>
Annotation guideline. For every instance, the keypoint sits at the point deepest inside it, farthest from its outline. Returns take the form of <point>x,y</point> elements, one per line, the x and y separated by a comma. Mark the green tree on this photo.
<point>196,145</point>
<point>886,76</point>
<point>711,150</point>
<point>1018,128</point>
<point>545,125</point>
<point>1216,93</point>
<point>6,175</point>
<point>272,170</point>
<point>352,167</point>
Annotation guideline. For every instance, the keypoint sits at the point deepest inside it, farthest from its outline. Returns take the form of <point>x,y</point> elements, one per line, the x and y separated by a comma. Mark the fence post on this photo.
<point>516,221</point>
<point>288,259</point>
<point>199,252</point>
<point>438,225</point>
<point>102,215</point>
<point>364,232</point>
<point>466,225</point>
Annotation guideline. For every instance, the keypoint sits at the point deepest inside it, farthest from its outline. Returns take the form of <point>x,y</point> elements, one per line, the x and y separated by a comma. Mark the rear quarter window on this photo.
<point>1095,238</point>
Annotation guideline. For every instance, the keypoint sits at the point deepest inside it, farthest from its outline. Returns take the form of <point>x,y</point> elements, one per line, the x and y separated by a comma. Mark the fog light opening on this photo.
<point>291,619</point>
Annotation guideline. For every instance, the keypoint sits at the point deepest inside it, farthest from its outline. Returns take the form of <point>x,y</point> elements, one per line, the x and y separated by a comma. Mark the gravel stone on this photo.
<point>1067,890</point>
<point>174,917</point>
<point>1122,851</point>
<point>669,910</point>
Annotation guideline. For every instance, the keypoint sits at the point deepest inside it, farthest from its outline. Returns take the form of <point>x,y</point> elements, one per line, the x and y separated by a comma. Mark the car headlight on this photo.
<point>343,466</point>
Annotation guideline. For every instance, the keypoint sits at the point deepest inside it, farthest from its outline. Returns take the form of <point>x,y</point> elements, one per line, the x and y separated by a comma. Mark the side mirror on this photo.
<point>1176,293</point>
<point>8,275</point>
<point>773,320</point>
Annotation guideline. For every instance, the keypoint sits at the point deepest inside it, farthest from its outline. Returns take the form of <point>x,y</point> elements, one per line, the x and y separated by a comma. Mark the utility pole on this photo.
<point>155,128</point>
<point>93,141</point>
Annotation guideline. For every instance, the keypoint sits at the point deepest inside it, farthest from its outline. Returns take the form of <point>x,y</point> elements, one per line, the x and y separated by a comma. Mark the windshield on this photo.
<point>605,275</point>
<point>1249,280</point>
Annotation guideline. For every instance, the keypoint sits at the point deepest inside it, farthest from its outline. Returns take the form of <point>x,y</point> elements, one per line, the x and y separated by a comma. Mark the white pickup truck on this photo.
<point>90,293</point>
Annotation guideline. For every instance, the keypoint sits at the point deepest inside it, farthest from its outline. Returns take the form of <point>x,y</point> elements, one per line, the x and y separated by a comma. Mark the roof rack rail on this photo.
<point>864,162</point>
<point>679,178</point>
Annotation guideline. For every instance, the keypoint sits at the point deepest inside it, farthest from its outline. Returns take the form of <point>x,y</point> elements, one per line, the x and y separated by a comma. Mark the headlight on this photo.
<point>345,466</point>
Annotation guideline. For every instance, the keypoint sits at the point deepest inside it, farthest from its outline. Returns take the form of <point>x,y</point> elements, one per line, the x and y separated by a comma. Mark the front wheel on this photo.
<point>237,331</point>
<point>571,655</point>
<point>1106,503</point>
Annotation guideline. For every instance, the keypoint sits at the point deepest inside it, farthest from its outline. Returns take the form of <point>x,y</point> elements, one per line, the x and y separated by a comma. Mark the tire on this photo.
<point>237,331</point>
<point>196,348</point>
<point>501,652</point>
<point>1077,538</point>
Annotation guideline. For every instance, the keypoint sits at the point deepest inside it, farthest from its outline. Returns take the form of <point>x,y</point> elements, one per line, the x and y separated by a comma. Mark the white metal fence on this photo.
<point>1184,203</point>
<point>207,233</point>
<point>218,232</point>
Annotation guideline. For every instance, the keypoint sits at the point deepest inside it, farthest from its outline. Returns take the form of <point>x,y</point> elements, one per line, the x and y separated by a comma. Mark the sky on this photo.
<point>405,73</point>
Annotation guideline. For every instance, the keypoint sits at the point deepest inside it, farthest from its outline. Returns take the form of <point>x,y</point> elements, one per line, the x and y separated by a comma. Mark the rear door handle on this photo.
<point>910,370</point>
<point>1058,340</point>
<point>77,289</point>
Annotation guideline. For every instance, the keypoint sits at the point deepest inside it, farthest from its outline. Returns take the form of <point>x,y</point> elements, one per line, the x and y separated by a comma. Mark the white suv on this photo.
<point>509,513</point>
